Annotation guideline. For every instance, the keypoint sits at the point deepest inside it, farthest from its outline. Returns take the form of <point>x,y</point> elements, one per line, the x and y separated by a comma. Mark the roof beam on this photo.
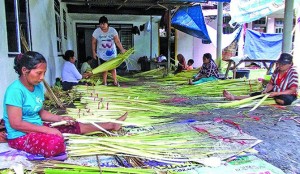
<point>106,10</point>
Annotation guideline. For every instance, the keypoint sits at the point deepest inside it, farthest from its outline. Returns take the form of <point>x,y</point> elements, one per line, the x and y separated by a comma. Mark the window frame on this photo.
<point>17,27</point>
<point>65,24</point>
<point>278,25</point>
<point>58,29</point>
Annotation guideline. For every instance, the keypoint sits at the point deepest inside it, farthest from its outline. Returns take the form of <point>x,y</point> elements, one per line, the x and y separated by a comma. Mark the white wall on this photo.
<point>43,33</point>
<point>184,45</point>
<point>192,48</point>
<point>271,25</point>
<point>297,40</point>
<point>6,63</point>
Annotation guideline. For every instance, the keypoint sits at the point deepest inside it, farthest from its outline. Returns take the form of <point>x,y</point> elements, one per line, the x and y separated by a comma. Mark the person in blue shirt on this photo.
<point>26,122</point>
<point>70,75</point>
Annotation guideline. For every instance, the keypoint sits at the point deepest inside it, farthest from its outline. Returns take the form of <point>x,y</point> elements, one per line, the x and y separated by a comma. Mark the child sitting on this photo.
<point>189,64</point>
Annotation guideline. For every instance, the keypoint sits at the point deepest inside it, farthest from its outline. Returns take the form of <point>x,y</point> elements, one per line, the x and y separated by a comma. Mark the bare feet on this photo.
<point>116,126</point>
<point>228,95</point>
<point>279,101</point>
<point>190,82</point>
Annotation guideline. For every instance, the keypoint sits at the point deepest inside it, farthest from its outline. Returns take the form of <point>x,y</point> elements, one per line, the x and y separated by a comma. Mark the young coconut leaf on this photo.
<point>260,102</point>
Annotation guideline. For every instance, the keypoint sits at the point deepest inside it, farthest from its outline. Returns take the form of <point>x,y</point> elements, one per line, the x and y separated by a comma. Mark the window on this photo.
<point>260,25</point>
<point>278,25</point>
<point>125,34</point>
<point>18,26</point>
<point>261,21</point>
<point>227,29</point>
<point>58,27</point>
<point>65,24</point>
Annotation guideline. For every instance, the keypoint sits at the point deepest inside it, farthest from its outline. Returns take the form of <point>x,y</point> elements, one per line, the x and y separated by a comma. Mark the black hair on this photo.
<point>29,60</point>
<point>191,61</point>
<point>88,58</point>
<point>103,19</point>
<point>68,55</point>
<point>208,56</point>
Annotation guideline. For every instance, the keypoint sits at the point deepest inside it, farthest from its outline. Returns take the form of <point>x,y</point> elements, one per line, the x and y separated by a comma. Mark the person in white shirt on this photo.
<point>104,41</point>
<point>70,75</point>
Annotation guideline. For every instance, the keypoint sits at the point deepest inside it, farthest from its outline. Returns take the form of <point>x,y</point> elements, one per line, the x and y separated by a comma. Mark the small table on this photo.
<point>264,61</point>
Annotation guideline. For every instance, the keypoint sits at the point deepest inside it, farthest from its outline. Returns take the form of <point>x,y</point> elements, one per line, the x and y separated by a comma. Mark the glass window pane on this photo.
<point>11,26</point>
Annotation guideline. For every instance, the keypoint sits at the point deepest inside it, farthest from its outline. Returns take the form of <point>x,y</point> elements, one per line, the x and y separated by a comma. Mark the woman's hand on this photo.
<point>53,131</point>
<point>273,94</point>
<point>123,51</point>
<point>87,75</point>
<point>70,120</point>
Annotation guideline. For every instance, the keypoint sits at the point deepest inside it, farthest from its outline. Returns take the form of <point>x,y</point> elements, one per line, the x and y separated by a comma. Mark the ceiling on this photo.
<point>137,10</point>
<point>130,7</point>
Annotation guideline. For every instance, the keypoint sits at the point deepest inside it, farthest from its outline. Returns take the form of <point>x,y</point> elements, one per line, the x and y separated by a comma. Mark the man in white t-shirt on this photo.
<point>104,43</point>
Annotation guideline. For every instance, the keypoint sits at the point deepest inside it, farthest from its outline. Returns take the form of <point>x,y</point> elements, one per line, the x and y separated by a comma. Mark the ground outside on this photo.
<point>208,135</point>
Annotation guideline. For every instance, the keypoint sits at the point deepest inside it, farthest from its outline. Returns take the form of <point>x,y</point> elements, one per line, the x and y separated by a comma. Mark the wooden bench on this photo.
<point>235,65</point>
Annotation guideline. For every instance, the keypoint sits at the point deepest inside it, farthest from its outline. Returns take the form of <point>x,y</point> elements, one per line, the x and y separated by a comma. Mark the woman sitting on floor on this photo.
<point>282,86</point>
<point>70,75</point>
<point>25,117</point>
<point>181,64</point>
<point>208,72</point>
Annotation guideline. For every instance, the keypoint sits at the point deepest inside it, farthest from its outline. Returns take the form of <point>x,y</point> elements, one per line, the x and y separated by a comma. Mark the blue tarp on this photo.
<point>262,45</point>
<point>190,20</point>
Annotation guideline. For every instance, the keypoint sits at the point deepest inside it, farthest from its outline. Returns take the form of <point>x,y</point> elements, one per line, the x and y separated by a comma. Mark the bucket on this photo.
<point>242,73</point>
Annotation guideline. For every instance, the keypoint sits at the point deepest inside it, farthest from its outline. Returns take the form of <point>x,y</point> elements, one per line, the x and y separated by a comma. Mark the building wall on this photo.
<point>141,42</point>
<point>43,32</point>
<point>271,25</point>
<point>193,48</point>
<point>6,63</point>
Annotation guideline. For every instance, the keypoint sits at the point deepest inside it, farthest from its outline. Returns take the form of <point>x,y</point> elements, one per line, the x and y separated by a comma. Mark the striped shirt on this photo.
<point>289,80</point>
<point>209,69</point>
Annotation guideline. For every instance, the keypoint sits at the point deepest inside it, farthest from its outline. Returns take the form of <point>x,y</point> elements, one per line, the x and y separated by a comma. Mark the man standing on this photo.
<point>104,43</point>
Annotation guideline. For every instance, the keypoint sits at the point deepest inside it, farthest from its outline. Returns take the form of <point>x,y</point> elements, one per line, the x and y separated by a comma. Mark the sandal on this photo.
<point>117,84</point>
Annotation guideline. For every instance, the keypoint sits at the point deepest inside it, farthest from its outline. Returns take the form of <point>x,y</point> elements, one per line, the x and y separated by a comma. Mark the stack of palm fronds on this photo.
<point>113,63</point>
<point>56,167</point>
<point>215,88</point>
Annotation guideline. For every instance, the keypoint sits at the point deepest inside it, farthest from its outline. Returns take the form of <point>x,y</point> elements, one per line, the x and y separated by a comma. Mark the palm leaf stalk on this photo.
<point>113,63</point>
<point>146,146</point>
<point>215,88</point>
<point>239,102</point>
<point>55,167</point>
<point>132,92</point>
<point>260,102</point>
<point>171,144</point>
<point>97,80</point>
<point>151,73</point>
